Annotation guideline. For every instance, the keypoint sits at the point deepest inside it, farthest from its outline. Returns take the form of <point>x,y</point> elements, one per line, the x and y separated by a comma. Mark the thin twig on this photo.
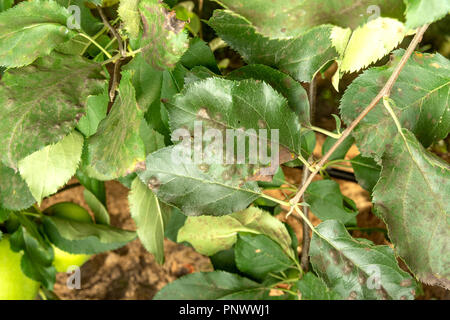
<point>113,31</point>
<point>304,259</point>
<point>385,91</point>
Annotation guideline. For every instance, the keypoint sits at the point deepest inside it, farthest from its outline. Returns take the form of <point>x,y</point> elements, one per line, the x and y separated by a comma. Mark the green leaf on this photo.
<point>6,4</point>
<point>100,213</point>
<point>284,84</point>
<point>40,105</point>
<point>371,42</point>
<point>129,13</point>
<point>30,30</point>
<point>96,187</point>
<point>150,216</point>
<point>176,221</point>
<point>224,260</point>
<point>175,184</point>
<point>210,235</point>
<point>420,95</point>
<point>420,12</point>
<point>4,214</point>
<point>412,199</point>
<point>122,126</point>
<point>327,202</point>
<point>14,191</point>
<point>277,180</point>
<point>356,269</point>
<point>38,253</point>
<point>313,288</point>
<point>84,238</point>
<point>367,172</point>
<point>96,112</point>
<point>147,82</point>
<point>90,24</point>
<point>224,104</point>
<point>216,285</point>
<point>152,140</point>
<point>281,19</point>
<point>163,40</point>
<point>199,54</point>
<point>300,57</point>
<point>257,256</point>
<point>341,151</point>
<point>51,167</point>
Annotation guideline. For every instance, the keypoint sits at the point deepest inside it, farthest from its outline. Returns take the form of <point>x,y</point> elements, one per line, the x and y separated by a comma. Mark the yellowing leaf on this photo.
<point>371,42</point>
<point>51,167</point>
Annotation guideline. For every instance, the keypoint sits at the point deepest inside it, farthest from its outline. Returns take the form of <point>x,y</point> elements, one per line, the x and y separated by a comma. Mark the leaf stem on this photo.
<point>325,132</point>
<point>122,50</point>
<point>385,91</point>
<point>95,43</point>
<point>102,31</point>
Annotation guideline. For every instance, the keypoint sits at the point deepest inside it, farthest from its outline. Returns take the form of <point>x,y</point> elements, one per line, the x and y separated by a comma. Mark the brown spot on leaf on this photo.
<point>153,183</point>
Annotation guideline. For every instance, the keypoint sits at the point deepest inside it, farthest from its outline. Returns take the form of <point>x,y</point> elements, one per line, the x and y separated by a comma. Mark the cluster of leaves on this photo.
<point>101,102</point>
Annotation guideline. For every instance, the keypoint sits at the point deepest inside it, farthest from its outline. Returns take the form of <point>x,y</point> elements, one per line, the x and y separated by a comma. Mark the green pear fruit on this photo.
<point>70,211</point>
<point>14,284</point>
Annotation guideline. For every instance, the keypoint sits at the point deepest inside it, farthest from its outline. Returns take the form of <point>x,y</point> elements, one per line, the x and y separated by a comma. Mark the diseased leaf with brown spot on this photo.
<point>412,197</point>
<point>164,40</point>
<point>420,97</point>
<point>289,18</point>
<point>41,103</point>
<point>210,235</point>
<point>32,29</point>
<point>357,269</point>
<point>14,191</point>
<point>300,57</point>
<point>117,149</point>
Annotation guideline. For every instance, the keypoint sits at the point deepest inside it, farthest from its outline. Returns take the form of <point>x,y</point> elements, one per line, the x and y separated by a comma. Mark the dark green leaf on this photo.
<point>412,198</point>
<point>14,192</point>
<point>327,202</point>
<point>225,261</point>
<point>301,57</point>
<point>224,104</point>
<point>150,216</point>
<point>176,221</point>
<point>355,269</point>
<point>87,238</point>
<point>122,125</point>
<point>199,54</point>
<point>40,104</point>
<point>313,288</point>
<point>420,102</point>
<point>217,285</point>
<point>30,30</point>
<point>367,172</point>
<point>174,184</point>
<point>284,84</point>
<point>282,19</point>
<point>258,256</point>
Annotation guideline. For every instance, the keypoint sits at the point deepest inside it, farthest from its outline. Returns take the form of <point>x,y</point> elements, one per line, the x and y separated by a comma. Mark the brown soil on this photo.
<point>132,273</point>
<point>129,272</point>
